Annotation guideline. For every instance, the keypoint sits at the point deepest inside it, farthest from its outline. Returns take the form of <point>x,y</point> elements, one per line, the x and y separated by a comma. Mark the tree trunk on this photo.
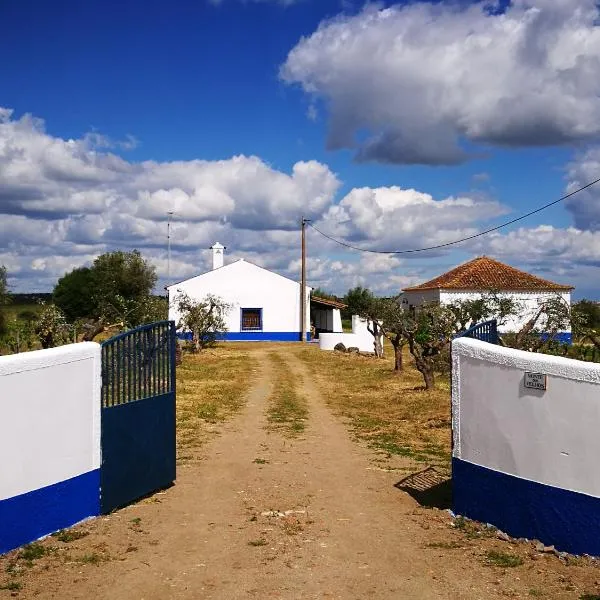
<point>378,348</point>
<point>375,332</point>
<point>594,339</point>
<point>398,366</point>
<point>425,367</point>
<point>93,330</point>
<point>429,378</point>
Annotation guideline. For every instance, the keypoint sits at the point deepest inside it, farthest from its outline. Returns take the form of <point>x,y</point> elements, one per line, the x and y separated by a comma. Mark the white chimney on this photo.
<point>217,250</point>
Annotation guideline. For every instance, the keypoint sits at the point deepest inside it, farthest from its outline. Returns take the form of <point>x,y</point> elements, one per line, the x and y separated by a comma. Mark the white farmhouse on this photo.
<point>482,275</point>
<point>265,306</point>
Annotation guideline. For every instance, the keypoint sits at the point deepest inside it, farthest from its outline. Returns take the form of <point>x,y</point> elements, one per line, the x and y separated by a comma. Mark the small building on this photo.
<point>265,306</point>
<point>482,275</point>
<point>325,315</point>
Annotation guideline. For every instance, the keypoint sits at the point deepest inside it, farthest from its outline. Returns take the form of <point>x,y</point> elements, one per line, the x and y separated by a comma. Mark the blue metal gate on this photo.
<point>486,332</point>
<point>138,414</point>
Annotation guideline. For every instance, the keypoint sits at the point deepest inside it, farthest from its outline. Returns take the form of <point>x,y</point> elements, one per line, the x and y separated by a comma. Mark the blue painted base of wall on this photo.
<point>252,336</point>
<point>30,516</point>
<point>568,520</point>
<point>563,337</point>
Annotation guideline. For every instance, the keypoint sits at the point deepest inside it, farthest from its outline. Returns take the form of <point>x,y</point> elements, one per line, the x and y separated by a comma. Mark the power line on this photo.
<point>465,239</point>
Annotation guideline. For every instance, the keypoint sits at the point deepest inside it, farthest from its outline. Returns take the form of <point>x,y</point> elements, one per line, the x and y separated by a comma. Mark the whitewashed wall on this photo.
<point>245,285</point>
<point>360,337</point>
<point>49,441</point>
<point>527,460</point>
<point>418,297</point>
<point>528,302</point>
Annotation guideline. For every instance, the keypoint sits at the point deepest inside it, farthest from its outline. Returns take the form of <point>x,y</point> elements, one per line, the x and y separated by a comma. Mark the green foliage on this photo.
<point>11,586</point>
<point>584,352</point>
<point>588,313</point>
<point>427,330</point>
<point>19,335</point>
<point>490,305</point>
<point>320,293</point>
<point>33,551</point>
<point>52,328</point>
<point>155,308</point>
<point>76,295</point>
<point>540,333</point>
<point>70,535</point>
<point>117,289</point>
<point>204,318</point>
<point>4,294</point>
<point>123,285</point>
<point>391,315</point>
<point>28,315</point>
<point>503,559</point>
<point>4,298</point>
<point>359,301</point>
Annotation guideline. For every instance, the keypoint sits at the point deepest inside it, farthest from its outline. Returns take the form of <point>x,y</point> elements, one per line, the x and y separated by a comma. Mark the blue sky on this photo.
<point>404,130</point>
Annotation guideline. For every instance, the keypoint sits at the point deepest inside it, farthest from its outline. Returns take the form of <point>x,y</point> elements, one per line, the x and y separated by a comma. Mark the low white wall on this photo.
<point>546,436</point>
<point>49,435</point>
<point>359,338</point>
<point>337,321</point>
<point>526,460</point>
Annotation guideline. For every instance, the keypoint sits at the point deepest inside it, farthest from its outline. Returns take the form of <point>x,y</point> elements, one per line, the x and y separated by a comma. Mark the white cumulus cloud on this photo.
<point>63,202</point>
<point>585,206</point>
<point>413,82</point>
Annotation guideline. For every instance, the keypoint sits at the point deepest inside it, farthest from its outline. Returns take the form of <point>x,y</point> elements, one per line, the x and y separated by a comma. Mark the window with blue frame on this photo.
<point>251,319</point>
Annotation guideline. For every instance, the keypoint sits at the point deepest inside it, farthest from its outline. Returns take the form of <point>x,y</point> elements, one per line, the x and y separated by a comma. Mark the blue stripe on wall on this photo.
<point>562,337</point>
<point>252,336</point>
<point>522,508</point>
<point>29,516</point>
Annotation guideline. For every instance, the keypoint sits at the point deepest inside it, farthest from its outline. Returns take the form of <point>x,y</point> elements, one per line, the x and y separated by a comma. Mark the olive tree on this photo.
<point>370,309</point>
<point>539,333</point>
<point>52,328</point>
<point>390,316</point>
<point>205,318</point>
<point>490,305</point>
<point>428,331</point>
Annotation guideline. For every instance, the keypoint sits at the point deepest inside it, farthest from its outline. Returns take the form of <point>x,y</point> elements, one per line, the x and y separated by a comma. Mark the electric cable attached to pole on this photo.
<point>455,242</point>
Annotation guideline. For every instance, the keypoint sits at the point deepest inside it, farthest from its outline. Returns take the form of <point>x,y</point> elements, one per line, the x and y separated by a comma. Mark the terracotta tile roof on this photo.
<point>327,302</point>
<point>484,273</point>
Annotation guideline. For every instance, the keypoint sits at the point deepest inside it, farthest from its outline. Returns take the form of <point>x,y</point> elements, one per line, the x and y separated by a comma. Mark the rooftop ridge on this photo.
<point>488,273</point>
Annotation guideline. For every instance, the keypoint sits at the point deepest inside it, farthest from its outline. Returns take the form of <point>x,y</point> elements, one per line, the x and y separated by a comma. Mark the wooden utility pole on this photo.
<point>303,284</point>
<point>170,215</point>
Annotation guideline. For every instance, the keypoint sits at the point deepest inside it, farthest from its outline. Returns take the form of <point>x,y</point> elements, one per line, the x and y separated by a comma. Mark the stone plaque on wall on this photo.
<point>535,381</point>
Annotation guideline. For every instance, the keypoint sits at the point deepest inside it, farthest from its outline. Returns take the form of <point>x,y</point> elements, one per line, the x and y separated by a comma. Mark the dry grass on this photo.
<point>287,411</point>
<point>390,411</point>
<point>211,386</point>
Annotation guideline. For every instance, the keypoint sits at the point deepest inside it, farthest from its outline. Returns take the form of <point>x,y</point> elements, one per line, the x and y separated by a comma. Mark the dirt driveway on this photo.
<point>262,515</point>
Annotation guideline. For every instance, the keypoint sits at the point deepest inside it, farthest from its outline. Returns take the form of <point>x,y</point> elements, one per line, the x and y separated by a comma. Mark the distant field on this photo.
<point>13,310</point>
